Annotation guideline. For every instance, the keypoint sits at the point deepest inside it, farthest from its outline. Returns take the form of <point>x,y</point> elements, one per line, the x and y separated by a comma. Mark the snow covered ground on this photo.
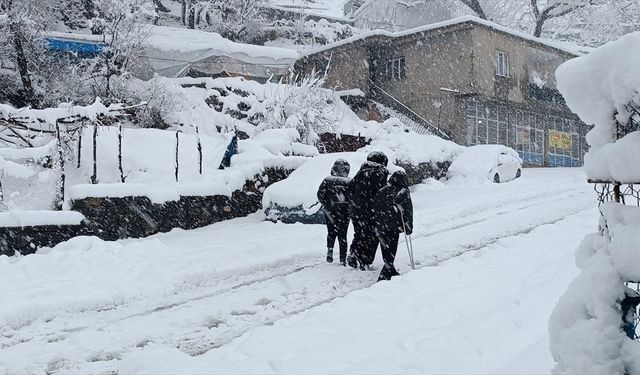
<point>252,296</point>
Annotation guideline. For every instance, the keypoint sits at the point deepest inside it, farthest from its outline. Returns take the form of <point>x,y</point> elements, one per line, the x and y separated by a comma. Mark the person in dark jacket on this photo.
<point>333,194</point>
<point>393,215</point>
<point>371,177</point>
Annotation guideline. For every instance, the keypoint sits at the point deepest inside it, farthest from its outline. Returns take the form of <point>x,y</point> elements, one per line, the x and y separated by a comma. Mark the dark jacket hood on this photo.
<point>378,157</point>
<point>399,179</point>
<point>340,168</point>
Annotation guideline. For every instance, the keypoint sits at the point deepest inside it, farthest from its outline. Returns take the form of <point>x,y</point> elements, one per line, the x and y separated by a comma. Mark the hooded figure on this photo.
<point>371,177</point>
<point>333,194</point>
<point>393,215</point>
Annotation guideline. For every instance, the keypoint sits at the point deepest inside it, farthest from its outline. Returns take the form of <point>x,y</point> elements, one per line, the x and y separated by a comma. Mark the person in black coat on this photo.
<point>371,177</point>
<point>393,215</point>
<point>333,194</point>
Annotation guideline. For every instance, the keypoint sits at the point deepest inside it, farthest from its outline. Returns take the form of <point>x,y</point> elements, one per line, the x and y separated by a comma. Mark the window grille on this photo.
<point>502,66</point>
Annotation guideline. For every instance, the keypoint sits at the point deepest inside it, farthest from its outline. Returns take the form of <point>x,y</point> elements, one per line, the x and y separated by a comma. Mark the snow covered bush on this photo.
<point>236,20</point>
<point>592,327</point>
<point>585,327</point>
<point>304,106</point>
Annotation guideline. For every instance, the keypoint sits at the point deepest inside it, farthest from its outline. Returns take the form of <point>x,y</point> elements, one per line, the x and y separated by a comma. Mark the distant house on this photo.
<point>397,15</point>
<point>473,80</point>
<point>179,52</point>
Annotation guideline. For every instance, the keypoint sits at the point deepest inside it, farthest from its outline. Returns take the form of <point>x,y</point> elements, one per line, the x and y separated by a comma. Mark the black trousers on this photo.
<point>337,227</point>
<point>388,246</point>
<point>365,241</point>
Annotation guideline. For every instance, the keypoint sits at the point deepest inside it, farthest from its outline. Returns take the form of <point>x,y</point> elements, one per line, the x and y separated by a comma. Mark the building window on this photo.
<point>395,69</point>
<point>502,66</point>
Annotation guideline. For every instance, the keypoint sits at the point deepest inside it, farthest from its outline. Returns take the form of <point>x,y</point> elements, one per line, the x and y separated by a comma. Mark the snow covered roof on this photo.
<point>172,49</point>
<point>75,43</point>
<point>330,9</point>
<point>193,45</point>
<point>563,47</point>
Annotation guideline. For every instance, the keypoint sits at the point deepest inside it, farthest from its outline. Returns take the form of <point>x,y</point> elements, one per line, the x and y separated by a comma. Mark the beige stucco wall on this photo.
<point>434,61</point>
<point>348,68</point>
<point>525,57</point>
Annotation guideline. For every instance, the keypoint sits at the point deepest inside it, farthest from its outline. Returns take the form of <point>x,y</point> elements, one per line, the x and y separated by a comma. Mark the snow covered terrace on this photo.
<point>568,48</point>
<point>172,52</point>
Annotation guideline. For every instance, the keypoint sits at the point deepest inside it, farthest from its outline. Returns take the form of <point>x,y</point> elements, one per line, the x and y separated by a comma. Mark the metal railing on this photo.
<point>426,123</point>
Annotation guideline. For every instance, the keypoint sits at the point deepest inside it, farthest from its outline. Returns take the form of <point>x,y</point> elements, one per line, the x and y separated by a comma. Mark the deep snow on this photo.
<point>90,306</point>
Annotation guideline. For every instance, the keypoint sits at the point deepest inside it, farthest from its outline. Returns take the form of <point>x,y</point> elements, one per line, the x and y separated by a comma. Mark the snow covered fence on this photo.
<point>26,231</point>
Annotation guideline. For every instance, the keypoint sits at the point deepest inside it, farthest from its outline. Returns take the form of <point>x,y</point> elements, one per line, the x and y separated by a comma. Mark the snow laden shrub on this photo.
<point>161,98</point>
<point>309,32</point>
<point>236,20</point>
<point>585,327</point>
<point>587,332</point>
<point>304,106</point>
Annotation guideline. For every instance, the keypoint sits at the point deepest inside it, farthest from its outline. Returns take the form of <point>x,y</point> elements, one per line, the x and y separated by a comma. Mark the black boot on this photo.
<point>352,261</point>
<point>387,273</point>
<point>329,255</point>
<point>343,260</point>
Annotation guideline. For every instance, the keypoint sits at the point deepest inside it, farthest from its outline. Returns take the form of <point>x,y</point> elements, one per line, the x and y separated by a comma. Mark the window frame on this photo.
<point>503,64</point>
<point>395,69</point>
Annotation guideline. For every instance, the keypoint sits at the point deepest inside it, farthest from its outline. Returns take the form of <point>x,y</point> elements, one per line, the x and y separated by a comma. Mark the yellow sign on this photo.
<point>560,140</point>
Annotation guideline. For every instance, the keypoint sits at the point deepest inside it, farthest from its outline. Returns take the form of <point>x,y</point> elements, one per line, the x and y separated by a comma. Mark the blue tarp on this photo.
<point>86,48</point>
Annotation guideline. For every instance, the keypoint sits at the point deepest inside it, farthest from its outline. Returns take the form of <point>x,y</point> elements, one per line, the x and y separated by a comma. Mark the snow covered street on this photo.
<point>231,294</point>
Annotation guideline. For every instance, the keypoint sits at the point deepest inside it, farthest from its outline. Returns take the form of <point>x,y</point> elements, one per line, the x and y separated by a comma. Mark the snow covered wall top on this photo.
<point>599,87</point>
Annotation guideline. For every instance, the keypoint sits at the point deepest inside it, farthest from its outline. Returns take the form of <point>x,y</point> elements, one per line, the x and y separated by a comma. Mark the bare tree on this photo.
<point>233,19</point>
<point>554,9</point>
<point>20,24</point>
<point>476,7</point>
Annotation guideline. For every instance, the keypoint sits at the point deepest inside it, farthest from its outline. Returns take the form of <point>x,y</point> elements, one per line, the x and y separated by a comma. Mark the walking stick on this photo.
<point>407,240</point>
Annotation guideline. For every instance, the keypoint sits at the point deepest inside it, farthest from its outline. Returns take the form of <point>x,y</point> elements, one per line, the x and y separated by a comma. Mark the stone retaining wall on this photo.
<point>112,218</point>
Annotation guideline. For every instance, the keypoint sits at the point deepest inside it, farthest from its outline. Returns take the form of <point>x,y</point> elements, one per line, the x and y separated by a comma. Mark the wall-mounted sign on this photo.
<point>560,140</point>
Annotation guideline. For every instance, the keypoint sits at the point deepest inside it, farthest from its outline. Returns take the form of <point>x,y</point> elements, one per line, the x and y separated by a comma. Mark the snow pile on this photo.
<point>585,327</point>
<point>36,218</point>
<point>603,87</point>
<point>300,188</point>
<point>407,146</point>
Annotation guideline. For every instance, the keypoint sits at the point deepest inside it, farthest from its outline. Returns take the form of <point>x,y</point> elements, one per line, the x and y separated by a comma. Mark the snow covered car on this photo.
<point>497,163</point>
<point>294,199</point>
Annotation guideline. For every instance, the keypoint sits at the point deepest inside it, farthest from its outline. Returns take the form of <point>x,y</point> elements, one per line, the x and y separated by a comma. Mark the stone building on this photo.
<point>467,79</point>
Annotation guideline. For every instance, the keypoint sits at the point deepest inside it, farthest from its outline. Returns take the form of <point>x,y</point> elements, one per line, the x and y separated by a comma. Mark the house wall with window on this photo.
<point>479,84</point>
<point>431,61</point>
<point>526,61</point>
<point>347,67</point>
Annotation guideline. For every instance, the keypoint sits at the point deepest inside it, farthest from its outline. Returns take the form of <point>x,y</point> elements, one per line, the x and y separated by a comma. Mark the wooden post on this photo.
<point>80,144</point>
<point>60,195</point>
<point>199,151</point>
<point>177,153</point>
<point>617,196</point>
<point>94,176</point>
<point>120,152</point>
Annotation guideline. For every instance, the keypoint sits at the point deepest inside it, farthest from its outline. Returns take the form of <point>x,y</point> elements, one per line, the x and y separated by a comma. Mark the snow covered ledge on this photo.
<point>16,219</point>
